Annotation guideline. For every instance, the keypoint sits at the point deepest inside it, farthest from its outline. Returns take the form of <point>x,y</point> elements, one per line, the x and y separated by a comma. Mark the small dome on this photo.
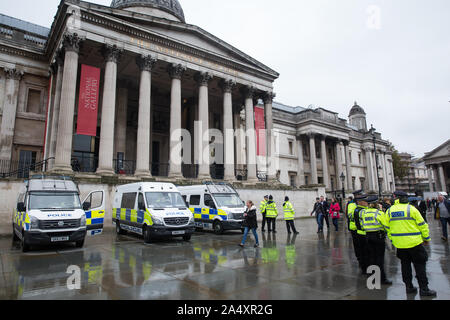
<point>172,7</point>
<point>356,110</point>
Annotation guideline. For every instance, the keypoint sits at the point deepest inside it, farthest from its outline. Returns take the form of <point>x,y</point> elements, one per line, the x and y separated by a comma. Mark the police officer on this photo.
<point>361,239</point>
<point>262,209</point>
<point>271,214</point>
<point>409,233</point>
<point>351,206</point>
<point>289,214</point>
<point>373,223</point>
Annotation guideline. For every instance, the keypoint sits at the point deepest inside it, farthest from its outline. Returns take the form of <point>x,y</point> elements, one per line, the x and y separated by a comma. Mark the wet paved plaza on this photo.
<point>309,266</point>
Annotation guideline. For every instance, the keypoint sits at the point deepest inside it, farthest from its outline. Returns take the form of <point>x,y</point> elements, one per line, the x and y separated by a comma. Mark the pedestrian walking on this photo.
<point>271,215</point>
<point>334,213</point>
<point>289,215</point>
<point>409,233</point>
<point>442,213</point>
<point>325,212</point>
<point>422,207</point>
<point>262,209</point>
<point>250,223</point>
<point>315,211</point>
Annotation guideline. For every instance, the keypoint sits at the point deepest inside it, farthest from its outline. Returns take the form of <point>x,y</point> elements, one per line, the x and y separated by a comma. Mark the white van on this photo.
<point>153,210</point>
<point>215,207</point>
<point>49,211</point>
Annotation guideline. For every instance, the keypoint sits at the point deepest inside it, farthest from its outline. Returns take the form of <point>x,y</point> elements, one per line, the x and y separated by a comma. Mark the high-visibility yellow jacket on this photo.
<point>350,211</point>
<point>357,219</point>
<point>372,220</point>
<point>262,206</point>
<point>288,210</point>
<point>271,210</point>
<point>406,226</point>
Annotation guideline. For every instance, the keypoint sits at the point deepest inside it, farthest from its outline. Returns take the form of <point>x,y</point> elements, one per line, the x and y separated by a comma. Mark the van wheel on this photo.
<point>218,228</point>
<point>119,230</point>
<point>187,237</point>
<point>146,234</point>
<point>15,237</point>
<point>79,244</point>
<point>25,245</point>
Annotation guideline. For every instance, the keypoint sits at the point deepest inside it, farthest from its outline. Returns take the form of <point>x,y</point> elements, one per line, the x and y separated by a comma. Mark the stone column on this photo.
<point>146,64</point>
<point>442,178</point>
<point>373,155</point>
<point>385,172</point>
<point>63,152</point>
<point>202,141</point>
<point>312,155</point>
<point>369,168</point>
<point>338,161</point>
<point>105,160</point>
<point>120,134</point>
<point>348,164</point>
<point>393,175</point>
<point>323,150</point>
<point>251,135</point>
<point>270,159</point>
<point>13,78</point>
<point>176,72</point>
<point>228,132</point>
<point>300,163</point>
<point>430,179</point>
<point>56,107</point>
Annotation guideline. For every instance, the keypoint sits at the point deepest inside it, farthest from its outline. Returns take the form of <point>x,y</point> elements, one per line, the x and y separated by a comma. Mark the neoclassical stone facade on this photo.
<point>158,75</point>
<point>315,146</point>
<point>437,162</point>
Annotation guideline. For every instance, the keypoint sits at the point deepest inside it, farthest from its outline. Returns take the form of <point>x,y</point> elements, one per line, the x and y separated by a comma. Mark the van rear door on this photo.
<point>94,206</point>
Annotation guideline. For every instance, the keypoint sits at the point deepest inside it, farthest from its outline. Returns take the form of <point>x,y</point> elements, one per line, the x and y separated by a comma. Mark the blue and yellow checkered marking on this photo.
<point>137,216</point>
<point>208,213</point>
<point>95,217</point>
<point>22,220</point>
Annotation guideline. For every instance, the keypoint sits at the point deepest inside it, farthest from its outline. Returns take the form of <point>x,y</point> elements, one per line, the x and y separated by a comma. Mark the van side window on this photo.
<point>194,200</point>
<point>128,200</point>
<point>21,198</point>
<point>141,202</point>
<point>207,199</point>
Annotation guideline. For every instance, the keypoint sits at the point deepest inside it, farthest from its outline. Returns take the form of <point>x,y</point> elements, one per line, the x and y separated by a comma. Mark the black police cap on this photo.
<point>358,192</point>
<point>400,194</point>
<point>372,199</point>
<point>361,197</point>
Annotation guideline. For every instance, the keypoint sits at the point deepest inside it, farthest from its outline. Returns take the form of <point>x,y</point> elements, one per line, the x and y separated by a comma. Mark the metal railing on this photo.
<point>159,169</point>
<point>22,169</point>
<point>190,171</point>
<point>124,167</point>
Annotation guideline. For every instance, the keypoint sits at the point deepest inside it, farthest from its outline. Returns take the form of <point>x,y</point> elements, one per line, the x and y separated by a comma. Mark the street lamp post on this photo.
<point>342,177</point>
<point>372,130</point>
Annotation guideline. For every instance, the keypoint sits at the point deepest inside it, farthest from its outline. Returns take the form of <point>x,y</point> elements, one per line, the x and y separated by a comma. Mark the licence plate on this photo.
<point>175,233</point>
<point>57,239</point>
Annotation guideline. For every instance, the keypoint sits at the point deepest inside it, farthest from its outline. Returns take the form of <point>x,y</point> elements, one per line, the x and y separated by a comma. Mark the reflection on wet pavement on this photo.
<point>306,266</point>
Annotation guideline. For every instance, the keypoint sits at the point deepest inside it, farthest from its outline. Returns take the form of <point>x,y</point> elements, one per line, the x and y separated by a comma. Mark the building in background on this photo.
<point>416,181</point>
<point>437,162</point>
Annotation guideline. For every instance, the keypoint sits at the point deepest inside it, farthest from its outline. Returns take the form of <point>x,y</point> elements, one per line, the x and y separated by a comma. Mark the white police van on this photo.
<point>153,210</point>
<point>49,211</point>
<point>216,206</point>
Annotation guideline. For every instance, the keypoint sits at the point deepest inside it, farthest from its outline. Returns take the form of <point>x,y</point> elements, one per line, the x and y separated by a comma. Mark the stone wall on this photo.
<point>302,200</point>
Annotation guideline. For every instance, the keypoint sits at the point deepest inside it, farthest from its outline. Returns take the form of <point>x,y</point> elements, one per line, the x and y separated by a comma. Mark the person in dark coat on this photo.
<point>250,223</point>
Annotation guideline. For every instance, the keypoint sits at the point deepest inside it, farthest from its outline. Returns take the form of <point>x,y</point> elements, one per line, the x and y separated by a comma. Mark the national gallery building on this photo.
<point>106,89</point>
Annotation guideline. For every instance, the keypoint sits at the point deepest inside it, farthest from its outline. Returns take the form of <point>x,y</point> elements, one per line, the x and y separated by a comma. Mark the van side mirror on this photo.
<point>21,207</point>
<point>187,204</point>
<point>210,204</point>
<point>86,206</point>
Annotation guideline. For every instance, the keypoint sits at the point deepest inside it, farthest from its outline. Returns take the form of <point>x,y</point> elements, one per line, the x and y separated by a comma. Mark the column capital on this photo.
<point>203,78</point>
<point>13,74</point>
<point>227,85</point>
<point>268,97</point>
<point>111,53</point>
<point>146,62</point>
<point>311,135</point>
<point>176,71</point>
<point>72,42</point>
<point>249,92</point>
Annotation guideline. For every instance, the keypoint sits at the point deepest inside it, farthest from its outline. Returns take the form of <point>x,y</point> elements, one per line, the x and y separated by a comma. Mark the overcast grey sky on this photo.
<point>391,56</point>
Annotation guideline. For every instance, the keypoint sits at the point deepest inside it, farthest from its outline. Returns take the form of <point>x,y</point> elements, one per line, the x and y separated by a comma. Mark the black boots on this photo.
<point>427,293</point>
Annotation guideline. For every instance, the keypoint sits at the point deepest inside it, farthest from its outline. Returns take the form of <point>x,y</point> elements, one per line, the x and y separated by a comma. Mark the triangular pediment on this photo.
<point>441,151</point>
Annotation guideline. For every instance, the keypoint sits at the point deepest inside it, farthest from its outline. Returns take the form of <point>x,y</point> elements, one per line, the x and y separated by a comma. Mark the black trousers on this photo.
<point>290,225</point>
<point>327,220</point>
<point>376,246</point>
<point>264,222</point>
<point>361,253</point>
<point>418,257</point>
<point>271,223</point>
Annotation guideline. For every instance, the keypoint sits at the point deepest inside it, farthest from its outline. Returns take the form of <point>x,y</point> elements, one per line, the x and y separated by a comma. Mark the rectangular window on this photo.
<point>194,200</point>
<point>320,180</point>
<point>128,200</point>
<point>34,101</point>
<point>27,160</point>
<point>305,151</point>
<point>359,158</point>
<point>292,178</point>
<point>141,202</point>
<point>291,148</point>
<point>306,180</point>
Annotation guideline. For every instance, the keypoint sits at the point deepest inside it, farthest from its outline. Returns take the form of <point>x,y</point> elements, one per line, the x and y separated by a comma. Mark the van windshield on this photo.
<point>53,200</point>
<point>162,200</point>
<point>230,200</point>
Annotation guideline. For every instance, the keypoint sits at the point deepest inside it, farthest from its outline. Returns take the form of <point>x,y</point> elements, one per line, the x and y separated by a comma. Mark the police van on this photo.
<point>216,207</point>
<point>49,211</point>
<point>153,210</point>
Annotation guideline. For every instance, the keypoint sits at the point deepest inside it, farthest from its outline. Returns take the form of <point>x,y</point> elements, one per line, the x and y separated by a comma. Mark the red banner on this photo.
<point>260,132</point>
<point>88,101</point>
